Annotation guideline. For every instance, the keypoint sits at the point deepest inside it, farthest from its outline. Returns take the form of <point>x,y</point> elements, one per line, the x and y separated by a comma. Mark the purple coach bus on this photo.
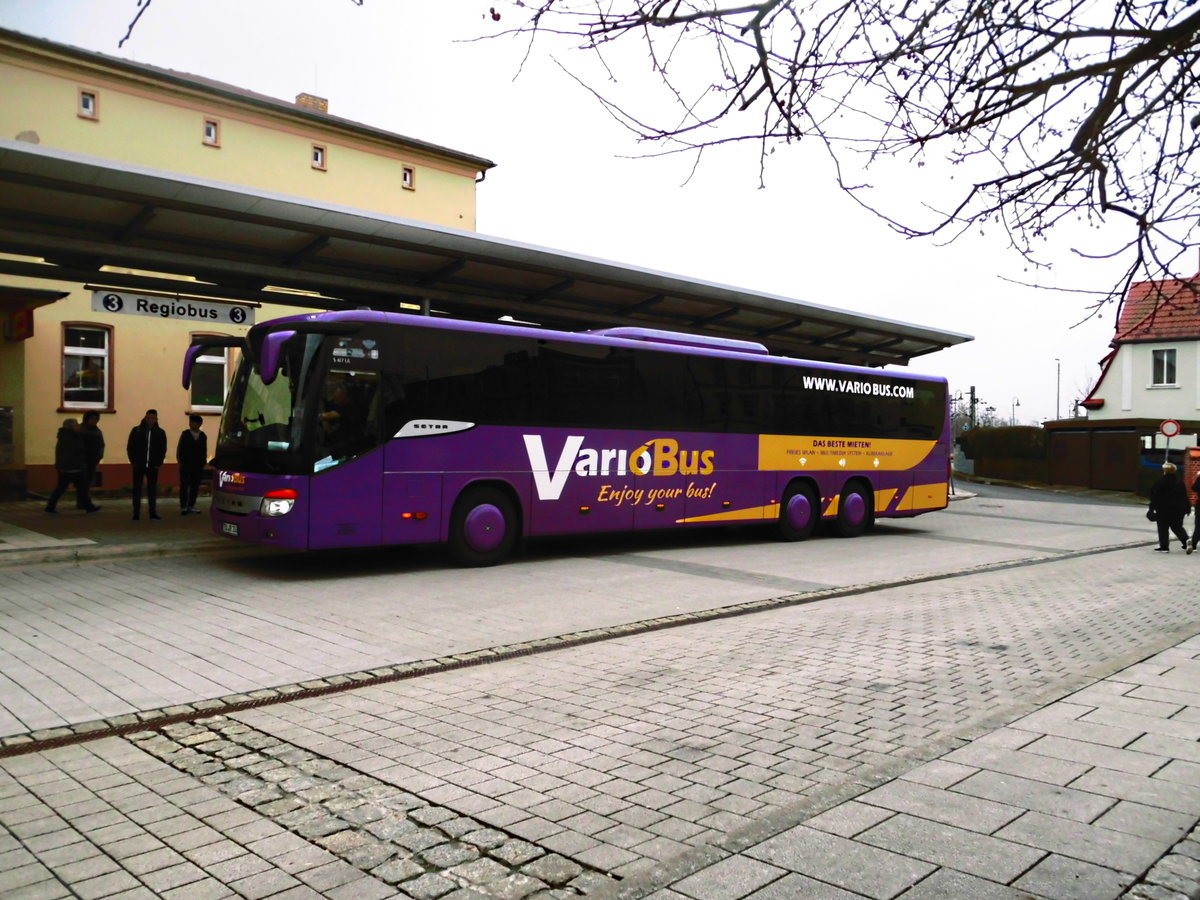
<point>356,429</point>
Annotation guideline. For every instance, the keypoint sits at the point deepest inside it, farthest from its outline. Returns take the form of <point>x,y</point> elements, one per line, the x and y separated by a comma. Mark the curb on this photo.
<point>80,553</point>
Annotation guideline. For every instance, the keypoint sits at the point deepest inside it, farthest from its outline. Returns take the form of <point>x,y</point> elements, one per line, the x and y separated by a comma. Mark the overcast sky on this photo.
<point>569,178</point>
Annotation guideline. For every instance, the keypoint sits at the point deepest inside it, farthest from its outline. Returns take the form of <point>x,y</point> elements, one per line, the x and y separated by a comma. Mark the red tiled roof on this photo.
<point>1160,311</point>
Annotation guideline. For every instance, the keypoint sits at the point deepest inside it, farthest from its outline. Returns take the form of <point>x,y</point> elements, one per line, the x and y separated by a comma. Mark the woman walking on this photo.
<point>1169,503</point>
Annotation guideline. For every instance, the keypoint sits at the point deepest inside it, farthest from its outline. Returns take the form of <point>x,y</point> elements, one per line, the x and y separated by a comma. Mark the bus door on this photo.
<point>347,482</point>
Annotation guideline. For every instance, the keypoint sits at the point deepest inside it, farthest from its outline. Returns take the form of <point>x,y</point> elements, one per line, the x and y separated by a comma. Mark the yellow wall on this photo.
<point>162,126</point>
<point>146,358</point>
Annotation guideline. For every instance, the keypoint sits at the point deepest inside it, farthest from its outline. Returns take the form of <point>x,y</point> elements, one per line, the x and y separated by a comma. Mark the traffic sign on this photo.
<point>1169,428</point>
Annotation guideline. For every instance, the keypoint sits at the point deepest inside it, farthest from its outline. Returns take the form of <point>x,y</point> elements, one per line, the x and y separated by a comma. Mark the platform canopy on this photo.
<point>85,216</point>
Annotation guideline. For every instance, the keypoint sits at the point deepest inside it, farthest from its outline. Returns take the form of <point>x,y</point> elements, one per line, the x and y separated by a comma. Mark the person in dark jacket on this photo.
<point>70,459</point>
<point>1196,525</point>
<point>192,454</point>
<point>146,448</point>
<point>93,443</point>
<point>1169,504</point>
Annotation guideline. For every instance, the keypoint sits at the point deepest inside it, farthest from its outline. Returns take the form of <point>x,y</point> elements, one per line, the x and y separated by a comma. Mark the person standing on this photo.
<point>1196,525</point>
<point>192,454</point>
<point>70,460</point>
<point>93,444</point>
<point>1169,504</point>
<point>146,449</point>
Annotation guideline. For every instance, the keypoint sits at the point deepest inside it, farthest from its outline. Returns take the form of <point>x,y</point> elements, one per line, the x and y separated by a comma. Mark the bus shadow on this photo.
<point>329,565</point>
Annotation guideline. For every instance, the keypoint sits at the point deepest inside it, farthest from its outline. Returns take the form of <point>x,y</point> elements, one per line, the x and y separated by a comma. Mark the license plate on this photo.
<point>229,528</point>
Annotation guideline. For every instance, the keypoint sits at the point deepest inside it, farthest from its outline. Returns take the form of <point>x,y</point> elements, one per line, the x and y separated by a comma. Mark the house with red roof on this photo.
<point>1150,375</point>
<point>1151,371</point>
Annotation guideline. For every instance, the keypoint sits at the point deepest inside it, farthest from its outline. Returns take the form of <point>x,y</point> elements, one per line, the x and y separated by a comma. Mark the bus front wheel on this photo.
<point>855,510</point>
<point>799,513</point>
<point>483,527</point>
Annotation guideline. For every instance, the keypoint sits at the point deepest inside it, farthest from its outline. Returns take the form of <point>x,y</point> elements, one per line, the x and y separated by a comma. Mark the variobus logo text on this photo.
<point>658,456</point>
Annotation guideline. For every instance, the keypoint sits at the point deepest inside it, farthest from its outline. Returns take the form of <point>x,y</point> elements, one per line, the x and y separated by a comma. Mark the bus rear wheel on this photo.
<point>483,527</point>
<point>799,512</point>
<point>856,512</point>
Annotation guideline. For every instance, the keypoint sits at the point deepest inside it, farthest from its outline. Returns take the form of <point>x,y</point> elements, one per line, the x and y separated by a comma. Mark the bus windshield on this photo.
<point>263,424</point>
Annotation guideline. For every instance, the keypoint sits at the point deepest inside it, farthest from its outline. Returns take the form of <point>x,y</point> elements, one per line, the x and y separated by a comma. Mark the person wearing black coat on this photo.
<point>1196,525</point>
<point>1169,504</point>
<point>146,449</point>
<point>70,459</point>
<point>192,454</point>
<point>93,443</point>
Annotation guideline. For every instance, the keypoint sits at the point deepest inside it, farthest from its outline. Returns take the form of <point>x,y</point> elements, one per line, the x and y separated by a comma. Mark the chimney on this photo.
<point>320,104</point>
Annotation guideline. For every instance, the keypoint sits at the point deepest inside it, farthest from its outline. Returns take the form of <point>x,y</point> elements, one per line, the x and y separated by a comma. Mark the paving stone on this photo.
<point>398,870</point>
<point>1090,843</point>
<point>953,848</point>
<point>847,864</point>
<point>516,852</point>
<point>1072,879</point>
<point>428,887</point>
<point>948,807</point>
<point>445,856</point>
<point>553,869</point>
<point>735,876</point>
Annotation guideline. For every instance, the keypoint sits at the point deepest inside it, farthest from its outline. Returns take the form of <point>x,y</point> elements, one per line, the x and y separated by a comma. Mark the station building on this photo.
<point>88,342</point>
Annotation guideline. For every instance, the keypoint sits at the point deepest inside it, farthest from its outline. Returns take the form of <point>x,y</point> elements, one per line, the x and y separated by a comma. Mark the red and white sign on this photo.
<point>1169,428</point>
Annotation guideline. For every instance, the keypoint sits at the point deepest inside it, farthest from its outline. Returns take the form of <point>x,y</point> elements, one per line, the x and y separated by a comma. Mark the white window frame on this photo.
<point>211,359</point>
<point>320,157</point>
<point>88,104</point>
<point>104,353</point>
<point>1160,360</point>
<point>211,136</point>
<point>408,178</point>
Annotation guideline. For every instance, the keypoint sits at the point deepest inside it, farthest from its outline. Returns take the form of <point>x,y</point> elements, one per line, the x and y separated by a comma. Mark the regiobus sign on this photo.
<point>187,309</point>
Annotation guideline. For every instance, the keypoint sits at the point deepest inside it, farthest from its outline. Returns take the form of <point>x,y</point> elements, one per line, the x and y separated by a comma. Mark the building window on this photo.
<point>210,376</point>
<point>89,105</point>
<point>212,133</point>
<point>1164,367</point>
<point>86,367</point>
<point>318,157</point>
<point>408,178</point>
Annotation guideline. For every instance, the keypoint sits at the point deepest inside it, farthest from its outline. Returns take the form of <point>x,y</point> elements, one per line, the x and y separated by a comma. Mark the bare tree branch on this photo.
<point>1055,109</point>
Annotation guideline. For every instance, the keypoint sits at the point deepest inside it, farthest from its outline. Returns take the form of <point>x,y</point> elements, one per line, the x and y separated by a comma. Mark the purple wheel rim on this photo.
<point>855,509</point>
<point>484,528</point>
<point>799,512</point>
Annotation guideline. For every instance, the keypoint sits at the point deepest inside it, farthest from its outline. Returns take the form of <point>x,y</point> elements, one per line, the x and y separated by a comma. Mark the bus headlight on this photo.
<point>277,503</point>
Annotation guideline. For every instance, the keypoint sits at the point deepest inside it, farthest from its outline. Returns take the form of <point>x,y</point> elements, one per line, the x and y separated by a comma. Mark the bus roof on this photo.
<point>634,338</point>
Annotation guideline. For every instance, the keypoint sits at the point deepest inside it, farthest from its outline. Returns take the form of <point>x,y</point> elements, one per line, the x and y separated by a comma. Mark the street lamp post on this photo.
<point>1057,386</point>
<point>1015,404</point>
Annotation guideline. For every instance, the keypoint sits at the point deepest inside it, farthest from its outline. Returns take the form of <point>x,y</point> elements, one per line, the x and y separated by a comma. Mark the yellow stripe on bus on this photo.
<point>925,496</point>
<point>883,499</point>
<point>753,513</point>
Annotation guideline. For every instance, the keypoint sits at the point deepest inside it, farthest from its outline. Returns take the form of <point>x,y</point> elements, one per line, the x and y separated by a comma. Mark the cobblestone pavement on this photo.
<point>102,640</point>
<point>976,734</point>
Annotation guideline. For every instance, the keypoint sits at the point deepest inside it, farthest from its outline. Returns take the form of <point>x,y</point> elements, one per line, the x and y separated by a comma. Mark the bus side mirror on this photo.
<point>196,349</point>
<point>268,360</point>
<point>189,360</point>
